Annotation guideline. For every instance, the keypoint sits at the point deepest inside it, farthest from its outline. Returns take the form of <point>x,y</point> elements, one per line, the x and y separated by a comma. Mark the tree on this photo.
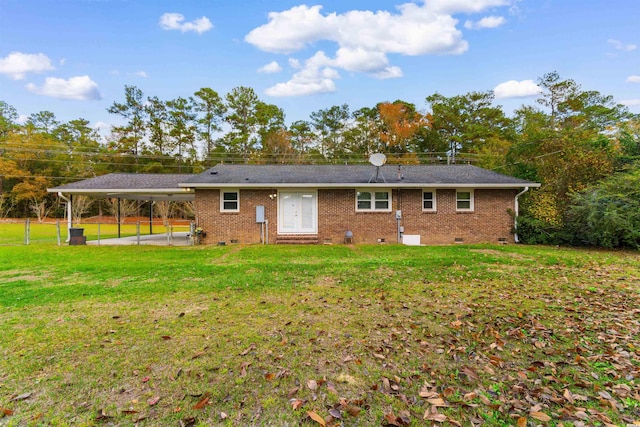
<point>568,149</point>
<point>363,134</point>
<point>400,122</point>
<point>210,105</point>
<point>301,136</point>
<point>468,124</point>
<point>83,149</point>
<point>608,214</point>
<point>44,121</point>
<point>182,129</point>
<point>241,116</point>
<point>628,138</point>
<point>158,126</point>
<point>329,125</point>
<point>130,137</point>
<point>34,192</point>
<point>8,118</point>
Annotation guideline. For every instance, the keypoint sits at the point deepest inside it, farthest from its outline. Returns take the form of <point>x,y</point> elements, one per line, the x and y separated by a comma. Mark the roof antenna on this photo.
<point>377,160</point>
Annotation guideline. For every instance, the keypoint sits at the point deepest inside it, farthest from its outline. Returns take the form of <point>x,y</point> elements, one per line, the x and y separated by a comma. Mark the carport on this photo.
<point>127,186</point>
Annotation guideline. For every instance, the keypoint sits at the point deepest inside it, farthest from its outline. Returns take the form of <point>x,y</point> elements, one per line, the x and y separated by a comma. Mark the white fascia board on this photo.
<point>122,191</point>
<point>357,185</point>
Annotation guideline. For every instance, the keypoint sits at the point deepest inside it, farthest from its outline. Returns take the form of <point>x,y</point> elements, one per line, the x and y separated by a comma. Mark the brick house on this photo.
<point>426,204</point>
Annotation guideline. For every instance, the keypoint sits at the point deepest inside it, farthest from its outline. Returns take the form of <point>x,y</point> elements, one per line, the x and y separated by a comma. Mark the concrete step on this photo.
<point>296,240</point>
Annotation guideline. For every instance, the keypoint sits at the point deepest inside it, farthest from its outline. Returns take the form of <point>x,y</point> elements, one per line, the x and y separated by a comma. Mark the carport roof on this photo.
<point>131,186</point>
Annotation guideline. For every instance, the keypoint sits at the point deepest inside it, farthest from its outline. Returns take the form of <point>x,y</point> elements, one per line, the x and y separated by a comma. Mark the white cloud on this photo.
<point>80,88</point>
<point>174,21</point>
<point>270,68</point>
<point>618,45</point>
<point>465,6</point>
<point>631,102</point>
<point>364,39</point>
<point>142,74</point>
<point>17,64</point>
<point>516,89</point>
<point>294,63</point>
<point>486,22</point>
<point>633,79</point>
<point>389,73</point>
<point>316,76</point>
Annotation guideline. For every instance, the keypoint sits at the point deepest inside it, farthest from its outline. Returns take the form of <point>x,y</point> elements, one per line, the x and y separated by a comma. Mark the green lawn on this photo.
<point>46,233</point>
<point>313,335</point>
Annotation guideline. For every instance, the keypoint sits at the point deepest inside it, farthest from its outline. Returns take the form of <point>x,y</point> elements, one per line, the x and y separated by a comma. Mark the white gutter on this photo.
<point>412,185</point>
<point>69,224</point>
<point>515,219</point>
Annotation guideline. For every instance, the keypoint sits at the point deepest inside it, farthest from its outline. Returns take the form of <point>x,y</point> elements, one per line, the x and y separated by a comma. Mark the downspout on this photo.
<point>69,224</point>
<point>515,219</point>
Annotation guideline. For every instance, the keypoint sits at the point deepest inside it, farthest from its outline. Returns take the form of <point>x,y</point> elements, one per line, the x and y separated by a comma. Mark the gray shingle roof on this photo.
<point>351,175</point>
<point>127,181</point>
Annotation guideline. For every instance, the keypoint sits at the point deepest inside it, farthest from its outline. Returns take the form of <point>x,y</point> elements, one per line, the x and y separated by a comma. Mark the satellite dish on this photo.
<point>377,159</point>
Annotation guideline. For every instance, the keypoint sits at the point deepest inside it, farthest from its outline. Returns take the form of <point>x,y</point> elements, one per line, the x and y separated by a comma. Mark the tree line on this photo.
<point>576,143</point>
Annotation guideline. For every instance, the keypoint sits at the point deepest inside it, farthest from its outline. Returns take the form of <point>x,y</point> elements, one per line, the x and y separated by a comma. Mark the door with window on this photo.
<point>297,212</point>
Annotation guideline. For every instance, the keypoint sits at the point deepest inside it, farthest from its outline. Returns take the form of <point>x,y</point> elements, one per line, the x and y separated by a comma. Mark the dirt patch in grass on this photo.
<point>498,253</point>
<point>9,276</point>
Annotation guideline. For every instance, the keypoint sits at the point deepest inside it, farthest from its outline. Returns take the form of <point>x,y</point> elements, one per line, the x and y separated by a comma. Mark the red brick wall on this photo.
<point>488,222</point>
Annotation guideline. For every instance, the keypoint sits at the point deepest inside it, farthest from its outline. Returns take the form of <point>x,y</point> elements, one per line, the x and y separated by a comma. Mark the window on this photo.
<point>229,200</point>
<point>429,200</point>
<point>464,200</point>
<point>373,201</point>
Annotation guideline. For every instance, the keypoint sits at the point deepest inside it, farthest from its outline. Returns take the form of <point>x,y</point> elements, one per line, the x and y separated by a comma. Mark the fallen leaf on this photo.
<point>293,392</point>
<point>448,392</point>
<point>202,402</point>
<point>153,400</point>
<point>312,385</point>
<point>188,422</point>
<point>101,416</point>
<point>437,402</point>
<point>166,337</point>
<point>354,411</point>
<point>540,416</point>
<point>470,396</point>
<point>567,395</point>
<point>296,403</point>
<point>270,376</point>
<point>248,349</point>
<point>335,413</point>
<point>470,373</point>
<point>23,396</point>
<point>439,418</point>
<point>5,412</point>
<point>522,422</point>
<point>317,418</point>
<point>145,379</point>
<point>223,415</point>
<point>198,354</point>
<point>392,419</point>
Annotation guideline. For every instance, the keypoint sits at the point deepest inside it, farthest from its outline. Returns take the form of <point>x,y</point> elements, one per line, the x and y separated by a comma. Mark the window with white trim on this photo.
<point>229,200</point>
<point>464,200</point>
<point>373,200</point>
<point>429,200</point>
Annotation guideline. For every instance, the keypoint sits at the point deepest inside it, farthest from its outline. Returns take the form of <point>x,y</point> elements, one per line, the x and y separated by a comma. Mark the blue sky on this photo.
<point>74,57</point>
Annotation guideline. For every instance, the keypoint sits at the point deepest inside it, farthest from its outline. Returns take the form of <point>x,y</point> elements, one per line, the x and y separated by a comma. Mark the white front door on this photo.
<point>298,212</point>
